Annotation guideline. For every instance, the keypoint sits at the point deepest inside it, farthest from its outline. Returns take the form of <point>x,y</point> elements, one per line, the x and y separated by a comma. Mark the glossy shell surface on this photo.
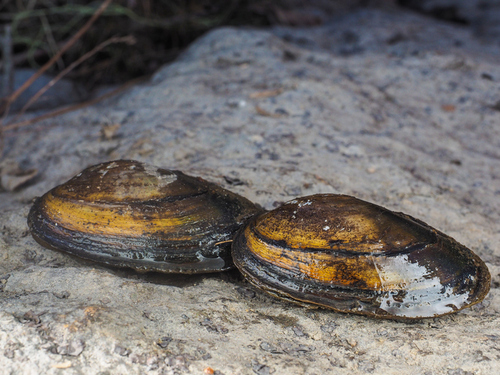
<point>352,256</point>
<point>129,214</point>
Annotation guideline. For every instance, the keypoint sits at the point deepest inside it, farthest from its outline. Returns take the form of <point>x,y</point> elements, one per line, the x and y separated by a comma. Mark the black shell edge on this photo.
<point>244,260</point>
<point>42,232</point>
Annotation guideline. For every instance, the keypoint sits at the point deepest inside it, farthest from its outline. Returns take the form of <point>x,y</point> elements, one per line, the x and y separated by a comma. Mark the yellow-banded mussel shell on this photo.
<point>130,214</point>
<point>352,256</point>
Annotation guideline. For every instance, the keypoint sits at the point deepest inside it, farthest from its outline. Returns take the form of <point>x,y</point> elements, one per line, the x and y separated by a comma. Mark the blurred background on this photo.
<point>133,38</point>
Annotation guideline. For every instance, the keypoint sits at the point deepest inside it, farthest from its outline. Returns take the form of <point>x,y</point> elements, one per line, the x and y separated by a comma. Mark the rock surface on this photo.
<point>391,107</point>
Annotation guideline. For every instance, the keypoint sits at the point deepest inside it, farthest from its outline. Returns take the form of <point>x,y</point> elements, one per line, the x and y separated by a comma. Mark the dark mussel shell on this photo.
<point>352,256</point>
<point>129,214</point>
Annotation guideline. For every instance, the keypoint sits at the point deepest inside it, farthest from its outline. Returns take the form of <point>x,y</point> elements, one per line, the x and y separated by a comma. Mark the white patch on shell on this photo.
<point>111,165</point>
<point>425,296</point>
<point>163,179</point>
<point>306,203</point>
<point>104,171</point>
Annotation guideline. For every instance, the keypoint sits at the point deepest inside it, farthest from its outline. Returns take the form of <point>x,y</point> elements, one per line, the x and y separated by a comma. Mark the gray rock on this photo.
<point>383,105</point>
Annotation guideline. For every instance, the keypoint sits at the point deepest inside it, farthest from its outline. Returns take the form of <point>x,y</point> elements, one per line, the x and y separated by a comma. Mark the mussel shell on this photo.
<point>129,214</point>
<point>352,256</point>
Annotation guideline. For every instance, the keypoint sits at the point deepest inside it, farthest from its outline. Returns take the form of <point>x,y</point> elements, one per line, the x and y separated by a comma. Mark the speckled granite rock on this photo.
<point>393,108</point>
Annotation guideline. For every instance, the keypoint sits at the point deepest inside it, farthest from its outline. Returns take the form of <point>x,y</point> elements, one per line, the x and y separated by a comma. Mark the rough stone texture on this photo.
<point>393,108</point>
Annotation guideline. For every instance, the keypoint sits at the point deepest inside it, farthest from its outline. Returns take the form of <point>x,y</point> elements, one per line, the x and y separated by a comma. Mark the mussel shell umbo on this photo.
<point>352,256</point>
<point>130,214</point>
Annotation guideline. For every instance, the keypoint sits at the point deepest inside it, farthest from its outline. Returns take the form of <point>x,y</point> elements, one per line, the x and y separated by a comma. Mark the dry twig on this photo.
<point>126,39</point>
<point>9,100</point>
<point>8,82</point>
<point>74,107</point>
